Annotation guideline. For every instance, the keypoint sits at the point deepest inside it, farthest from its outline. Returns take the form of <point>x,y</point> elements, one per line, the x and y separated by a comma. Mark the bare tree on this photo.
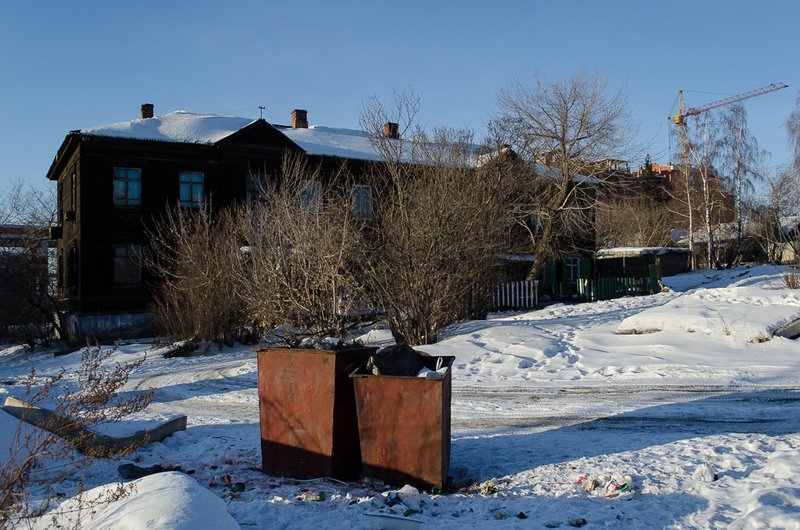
<point>27,205</point>
<point>562,128</point>
<point>28,286</point>
<point>703,154</point>
<point>700,194</point>
<point>774,216</point>
<point>441,208</point>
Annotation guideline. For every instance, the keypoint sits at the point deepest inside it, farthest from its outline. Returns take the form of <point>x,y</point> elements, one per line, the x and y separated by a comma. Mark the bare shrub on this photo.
<point>433,247</point>
<point>194,255</point>
<point>41,459</point>
<point>791,277</point>
<point>301,242</point>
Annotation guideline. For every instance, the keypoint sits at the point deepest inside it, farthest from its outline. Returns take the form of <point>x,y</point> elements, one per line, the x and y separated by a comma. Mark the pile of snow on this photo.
<point>748,310</point>
<point>168,500</point>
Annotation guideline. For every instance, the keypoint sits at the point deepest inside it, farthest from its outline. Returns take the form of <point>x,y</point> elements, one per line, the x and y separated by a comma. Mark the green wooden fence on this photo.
<point>608,288</point>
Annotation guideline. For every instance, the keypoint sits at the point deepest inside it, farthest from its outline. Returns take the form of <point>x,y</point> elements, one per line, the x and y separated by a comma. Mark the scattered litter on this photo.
<point>552,524</point>
<point>438,373</point>
<point>312,496</point>
<point>607,486</point>
<point>372,483</point>
<point>498,514</point>
<point>614,488</point>
<point>488,488</point>
<point>409,495</point>
<point>590,484</point>
<point>522,515</point>
<point>577,522</point>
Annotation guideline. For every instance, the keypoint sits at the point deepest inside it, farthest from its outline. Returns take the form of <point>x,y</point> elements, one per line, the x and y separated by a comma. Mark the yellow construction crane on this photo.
<point>680,117</point>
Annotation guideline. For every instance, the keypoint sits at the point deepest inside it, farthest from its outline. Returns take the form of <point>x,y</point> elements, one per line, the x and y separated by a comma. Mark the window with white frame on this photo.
<point>311,194</point>
<point>362,201</point>
<point>191,189</point>
<point>127,186</point>
<point>573,267</point>
<point>127,265</point>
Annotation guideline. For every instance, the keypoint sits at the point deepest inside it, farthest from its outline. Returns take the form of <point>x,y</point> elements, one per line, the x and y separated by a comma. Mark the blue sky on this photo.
<point>68,65</point>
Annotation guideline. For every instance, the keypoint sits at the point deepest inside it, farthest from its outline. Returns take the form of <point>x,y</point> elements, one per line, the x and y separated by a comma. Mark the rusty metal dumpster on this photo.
<point>404,426</point>
<point>308,412</point>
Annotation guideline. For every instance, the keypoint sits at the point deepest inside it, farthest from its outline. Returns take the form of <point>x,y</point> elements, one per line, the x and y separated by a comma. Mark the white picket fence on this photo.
<point>516,295</point>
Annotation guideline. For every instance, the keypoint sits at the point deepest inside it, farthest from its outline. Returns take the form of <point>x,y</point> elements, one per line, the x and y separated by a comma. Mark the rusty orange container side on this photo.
<point>404,426</point>
<point>308,413</point>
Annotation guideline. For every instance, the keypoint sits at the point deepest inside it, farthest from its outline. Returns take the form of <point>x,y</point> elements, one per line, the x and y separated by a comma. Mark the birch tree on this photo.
<point>740,158</point>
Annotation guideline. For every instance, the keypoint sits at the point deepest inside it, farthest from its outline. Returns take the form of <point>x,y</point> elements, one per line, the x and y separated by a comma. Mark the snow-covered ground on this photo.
<point>684,395</point>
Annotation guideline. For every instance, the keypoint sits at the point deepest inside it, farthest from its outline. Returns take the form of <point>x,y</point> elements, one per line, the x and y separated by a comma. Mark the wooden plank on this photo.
<point>84,439</point>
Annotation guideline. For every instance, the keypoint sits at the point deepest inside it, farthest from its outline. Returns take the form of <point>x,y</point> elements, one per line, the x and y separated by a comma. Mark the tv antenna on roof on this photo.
<point>261,109</point>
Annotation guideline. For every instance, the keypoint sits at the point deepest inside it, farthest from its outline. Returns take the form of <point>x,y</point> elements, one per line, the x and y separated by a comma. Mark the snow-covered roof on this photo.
<point>329,141</point>
<point>555,174</point>
<point>179,126</point>
<point>190,127</point>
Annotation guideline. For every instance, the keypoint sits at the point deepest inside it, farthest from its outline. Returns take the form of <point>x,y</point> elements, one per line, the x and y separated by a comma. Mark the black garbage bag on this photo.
<point>399,359</point>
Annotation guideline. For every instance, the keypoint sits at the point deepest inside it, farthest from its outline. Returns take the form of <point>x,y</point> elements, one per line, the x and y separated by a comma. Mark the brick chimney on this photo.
<point>299,119</point>
<point>147,110</point>
<point>391,130</point>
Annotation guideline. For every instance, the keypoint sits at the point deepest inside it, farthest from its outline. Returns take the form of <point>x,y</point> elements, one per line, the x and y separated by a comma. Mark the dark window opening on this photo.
<point>311,194</point>
<point>72,267</point>
<point>191,189</point>
<point>362,201</point>
<point>127,265</point>
<point>127,186</point>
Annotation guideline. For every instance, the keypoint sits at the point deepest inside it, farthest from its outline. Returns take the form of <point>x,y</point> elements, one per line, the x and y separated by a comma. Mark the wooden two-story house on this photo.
<point>114,180</point>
